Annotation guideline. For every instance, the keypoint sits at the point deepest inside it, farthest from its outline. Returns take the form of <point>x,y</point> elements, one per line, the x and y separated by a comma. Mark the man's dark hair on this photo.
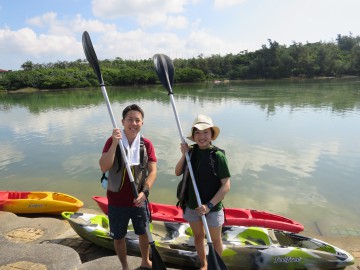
<point>133,107</point>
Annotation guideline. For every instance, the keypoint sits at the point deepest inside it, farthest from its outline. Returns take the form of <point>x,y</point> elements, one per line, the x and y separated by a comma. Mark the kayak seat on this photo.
<point>100,220</point>
<point>63,197</point>
<point>254,236</point>
<point>37,196</point>
<point>3,196</point>
<point>164,212</point>
<point>305,242</point>
<point>285,239</point>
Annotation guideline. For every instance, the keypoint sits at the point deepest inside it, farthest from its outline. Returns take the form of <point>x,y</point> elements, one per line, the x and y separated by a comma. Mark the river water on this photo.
<point>293,146</point>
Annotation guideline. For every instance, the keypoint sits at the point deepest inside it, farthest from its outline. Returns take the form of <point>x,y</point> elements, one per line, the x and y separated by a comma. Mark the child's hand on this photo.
<point>202,210</point>
<point>184,147</point>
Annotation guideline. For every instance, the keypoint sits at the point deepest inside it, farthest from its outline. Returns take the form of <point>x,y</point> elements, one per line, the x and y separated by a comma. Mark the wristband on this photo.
<point>146,192</point>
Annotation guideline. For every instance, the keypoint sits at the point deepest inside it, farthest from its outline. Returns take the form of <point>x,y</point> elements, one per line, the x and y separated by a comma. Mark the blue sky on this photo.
<point>44,31</point>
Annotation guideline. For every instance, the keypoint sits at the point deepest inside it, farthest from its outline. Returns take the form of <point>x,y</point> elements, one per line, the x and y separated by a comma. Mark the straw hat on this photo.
<point>202,122</point>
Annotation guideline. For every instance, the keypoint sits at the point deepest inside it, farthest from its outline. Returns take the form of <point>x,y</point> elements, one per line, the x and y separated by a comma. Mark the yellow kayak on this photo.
<point>38,202</point>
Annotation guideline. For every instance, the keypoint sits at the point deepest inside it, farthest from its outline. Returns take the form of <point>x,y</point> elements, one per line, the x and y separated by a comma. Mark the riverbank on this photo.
<point>47,243</point>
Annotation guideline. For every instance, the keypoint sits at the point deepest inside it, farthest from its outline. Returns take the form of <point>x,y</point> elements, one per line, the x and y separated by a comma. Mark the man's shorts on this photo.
<point>119,219</point>
<point>213,219</point>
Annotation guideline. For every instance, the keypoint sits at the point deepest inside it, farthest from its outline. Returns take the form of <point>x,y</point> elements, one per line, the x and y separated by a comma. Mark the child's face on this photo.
<point>203,138</point>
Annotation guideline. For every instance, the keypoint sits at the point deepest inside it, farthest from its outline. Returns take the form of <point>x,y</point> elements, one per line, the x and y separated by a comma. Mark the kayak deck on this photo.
<point>234,216</point>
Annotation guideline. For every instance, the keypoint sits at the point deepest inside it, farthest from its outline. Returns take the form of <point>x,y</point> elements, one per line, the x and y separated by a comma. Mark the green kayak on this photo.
<point>244,247</point>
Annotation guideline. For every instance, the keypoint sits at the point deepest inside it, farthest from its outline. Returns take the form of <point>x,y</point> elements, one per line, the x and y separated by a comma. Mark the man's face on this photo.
<point>133,122</point>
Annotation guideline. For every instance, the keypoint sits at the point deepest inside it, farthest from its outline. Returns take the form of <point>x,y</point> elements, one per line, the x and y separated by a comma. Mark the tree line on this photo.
<point>273,61</point>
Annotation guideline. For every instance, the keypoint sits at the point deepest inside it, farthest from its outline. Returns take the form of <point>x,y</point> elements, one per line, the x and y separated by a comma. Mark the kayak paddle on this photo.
<point>164,68</point>
<point>157,262</point>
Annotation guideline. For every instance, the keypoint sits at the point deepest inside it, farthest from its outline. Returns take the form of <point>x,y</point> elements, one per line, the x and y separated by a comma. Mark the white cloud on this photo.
<point>179,22</point>
<point>80,24</point>
<point>44,20</point>
<point>139,44</point>
<point>204,42</point>
<point>68,26</point>
<point>61,41</point>
<point>147,14</point>
<point>227,3</point>
<point>27,45</point>
<point>166,22</point>
<point>127,8</point>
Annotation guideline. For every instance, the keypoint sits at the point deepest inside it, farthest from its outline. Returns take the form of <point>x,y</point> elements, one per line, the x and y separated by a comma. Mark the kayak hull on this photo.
<point>244,247</point>
<point>38,202</point>
<point>234,216</point>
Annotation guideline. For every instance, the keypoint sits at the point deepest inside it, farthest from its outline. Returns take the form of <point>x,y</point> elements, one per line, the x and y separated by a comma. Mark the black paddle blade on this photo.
<point>165,70</point>
<point>157,262</point>
<point>91,56</point>
<point>214,260</point>
<point>220,262</point>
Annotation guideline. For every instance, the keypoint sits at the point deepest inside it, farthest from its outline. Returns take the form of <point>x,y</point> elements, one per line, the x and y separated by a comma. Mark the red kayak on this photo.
<point>234,216</point>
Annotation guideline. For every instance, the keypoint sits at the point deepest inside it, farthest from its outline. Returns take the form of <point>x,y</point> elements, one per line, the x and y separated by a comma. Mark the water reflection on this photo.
<point>293,147</point>
<point>8,155</point>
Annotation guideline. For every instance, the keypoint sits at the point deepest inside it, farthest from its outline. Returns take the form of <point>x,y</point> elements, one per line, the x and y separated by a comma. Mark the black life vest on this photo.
<point>210,185</point>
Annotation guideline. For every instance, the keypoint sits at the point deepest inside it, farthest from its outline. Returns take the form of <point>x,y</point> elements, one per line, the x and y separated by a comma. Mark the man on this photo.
<point>122,204</point>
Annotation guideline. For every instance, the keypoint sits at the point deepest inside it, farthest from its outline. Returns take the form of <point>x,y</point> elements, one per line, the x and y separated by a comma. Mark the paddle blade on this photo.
<point>91,56</point>
<point>157,262</point>
<point>214,260</point>
<point>165,70</point>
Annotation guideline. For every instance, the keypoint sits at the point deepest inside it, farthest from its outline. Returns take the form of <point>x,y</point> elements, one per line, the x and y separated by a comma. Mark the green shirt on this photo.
<point>206,182</point>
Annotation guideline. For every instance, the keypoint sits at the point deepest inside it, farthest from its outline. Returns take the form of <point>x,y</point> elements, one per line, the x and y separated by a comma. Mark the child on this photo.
<point>212,178</point>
